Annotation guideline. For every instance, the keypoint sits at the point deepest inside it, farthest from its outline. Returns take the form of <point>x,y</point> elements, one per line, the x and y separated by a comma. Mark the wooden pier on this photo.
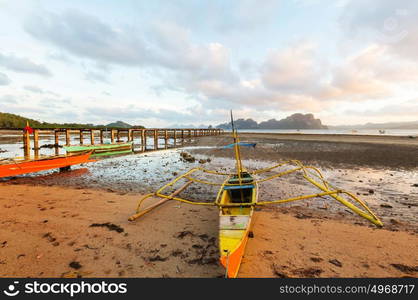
<point>97,136</point>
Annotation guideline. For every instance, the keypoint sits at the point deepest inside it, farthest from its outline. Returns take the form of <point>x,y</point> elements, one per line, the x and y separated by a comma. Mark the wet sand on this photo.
<point>48,232</point>
<point>325,150</point>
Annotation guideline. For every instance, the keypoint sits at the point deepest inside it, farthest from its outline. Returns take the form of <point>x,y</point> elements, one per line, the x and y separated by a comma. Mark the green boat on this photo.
<point>102,149</point>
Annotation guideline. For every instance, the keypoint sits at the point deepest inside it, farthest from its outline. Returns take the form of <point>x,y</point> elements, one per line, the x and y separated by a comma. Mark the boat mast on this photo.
<point>236,148</point>
<point>237,155</point>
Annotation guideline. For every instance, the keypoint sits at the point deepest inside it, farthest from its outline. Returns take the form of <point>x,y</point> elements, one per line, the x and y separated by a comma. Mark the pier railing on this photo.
<point>97,136</point>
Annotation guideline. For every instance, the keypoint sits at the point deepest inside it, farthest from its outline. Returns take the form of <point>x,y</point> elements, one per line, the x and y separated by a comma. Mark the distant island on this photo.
<point>295,121</point>
<point>8,120</point>
<point>121,124</point>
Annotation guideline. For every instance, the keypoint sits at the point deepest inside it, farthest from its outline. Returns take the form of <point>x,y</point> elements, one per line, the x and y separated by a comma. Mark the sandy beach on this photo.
<point>47,232</point>
<point>67,225</point>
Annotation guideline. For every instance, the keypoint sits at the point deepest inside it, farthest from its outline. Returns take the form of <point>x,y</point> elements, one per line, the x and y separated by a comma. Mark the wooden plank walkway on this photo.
<point>97,136</point>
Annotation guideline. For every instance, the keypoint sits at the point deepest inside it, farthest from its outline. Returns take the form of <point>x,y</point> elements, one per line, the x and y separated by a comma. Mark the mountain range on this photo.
<point>295,121</point>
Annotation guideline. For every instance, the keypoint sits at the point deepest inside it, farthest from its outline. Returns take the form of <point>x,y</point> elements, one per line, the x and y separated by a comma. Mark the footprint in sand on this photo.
<point>50,238</point>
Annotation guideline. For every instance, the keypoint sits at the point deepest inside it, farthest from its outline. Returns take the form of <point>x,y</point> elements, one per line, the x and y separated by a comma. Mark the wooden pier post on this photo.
<point>91,136</point>
<point>57,150</point>
<point>26,144</point>
<point>81,137</point>
<point>182,136</point>
<point>155,139</point>
<point>36,142</point>
<point>165,139</point>
<point>144,140</point>
<point>130,135</point>
<point>112,136</point>
<point>101,137</point>
<point>175,138</point>
<point>67,137</point>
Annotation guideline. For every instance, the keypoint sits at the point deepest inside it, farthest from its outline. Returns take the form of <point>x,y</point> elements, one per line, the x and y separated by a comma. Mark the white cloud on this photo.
<point>4,79</point>
<point>23,65</point>
<point>87,36</point>
<point>8,99</point>
<point>293,68</point>
<point>34,89</point>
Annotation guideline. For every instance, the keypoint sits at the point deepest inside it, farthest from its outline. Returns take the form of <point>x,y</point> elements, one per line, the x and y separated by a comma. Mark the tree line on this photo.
<point>8,120</point>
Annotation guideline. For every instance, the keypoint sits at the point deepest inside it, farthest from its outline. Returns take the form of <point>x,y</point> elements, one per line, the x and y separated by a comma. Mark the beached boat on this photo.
<point>236,210</point>
<point>12,167</point>
<point>102,149</point>
<point>238,196</point>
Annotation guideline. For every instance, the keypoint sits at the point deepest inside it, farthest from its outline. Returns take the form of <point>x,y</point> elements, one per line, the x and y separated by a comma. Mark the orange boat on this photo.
<point>9,167</point>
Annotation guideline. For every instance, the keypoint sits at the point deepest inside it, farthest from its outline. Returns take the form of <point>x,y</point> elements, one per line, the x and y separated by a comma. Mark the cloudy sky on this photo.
<point>159,63</point>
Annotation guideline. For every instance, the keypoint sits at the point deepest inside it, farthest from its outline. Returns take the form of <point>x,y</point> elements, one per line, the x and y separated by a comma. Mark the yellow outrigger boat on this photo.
<point>238,196</point>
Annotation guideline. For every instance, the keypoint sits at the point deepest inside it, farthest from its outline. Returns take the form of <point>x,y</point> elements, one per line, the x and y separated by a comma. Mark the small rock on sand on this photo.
<point>386,205</point>
<point>336,262</point>
<point>110,226</point>
<point>75,265</point>
<point>405,269</point>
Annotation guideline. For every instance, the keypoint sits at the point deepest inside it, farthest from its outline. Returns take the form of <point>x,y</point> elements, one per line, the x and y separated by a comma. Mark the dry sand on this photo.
<point>289,244</point>
<point>46,232</point>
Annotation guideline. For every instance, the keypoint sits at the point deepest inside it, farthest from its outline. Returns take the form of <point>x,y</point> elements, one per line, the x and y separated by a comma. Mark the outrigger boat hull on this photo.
<point>30,166</point>
<point>235,216</point>
<point>102,149</point>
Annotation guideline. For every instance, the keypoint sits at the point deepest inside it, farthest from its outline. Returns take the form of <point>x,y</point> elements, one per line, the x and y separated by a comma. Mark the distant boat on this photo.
<point>12,167</point>
<point>102,149</point>
<point>381,131</point>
